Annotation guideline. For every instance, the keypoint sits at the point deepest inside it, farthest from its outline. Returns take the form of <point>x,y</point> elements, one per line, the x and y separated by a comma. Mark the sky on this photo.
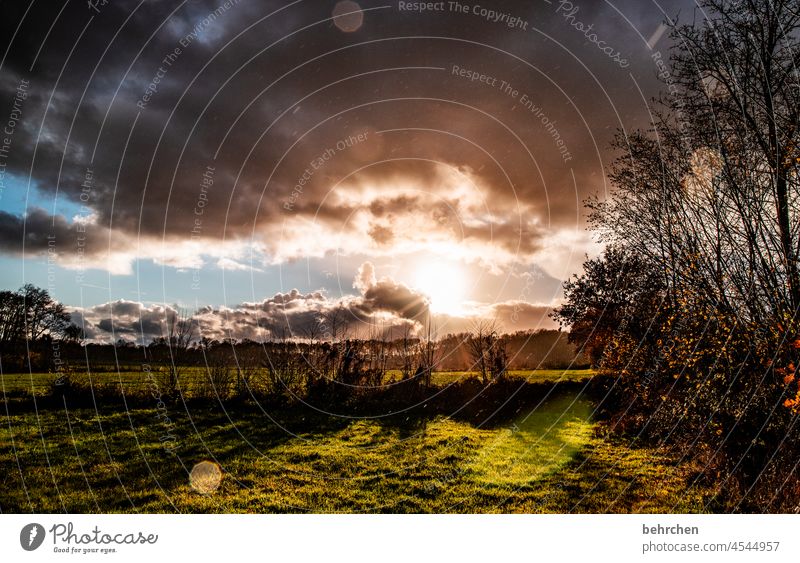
<point>263,165</point>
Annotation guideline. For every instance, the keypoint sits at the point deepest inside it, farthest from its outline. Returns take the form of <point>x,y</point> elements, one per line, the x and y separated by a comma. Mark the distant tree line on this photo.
<point>301,363</point>
<point>38,335</point>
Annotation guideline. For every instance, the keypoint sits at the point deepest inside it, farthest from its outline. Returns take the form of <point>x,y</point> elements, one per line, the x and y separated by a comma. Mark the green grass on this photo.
<point>39,383</point>
<point>529,375</point>
<point>551,460</point>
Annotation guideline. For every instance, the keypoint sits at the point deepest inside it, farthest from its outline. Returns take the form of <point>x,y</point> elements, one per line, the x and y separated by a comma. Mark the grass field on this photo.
<point>132,380</point>
<point>112,459</point>
<point>530,375</point>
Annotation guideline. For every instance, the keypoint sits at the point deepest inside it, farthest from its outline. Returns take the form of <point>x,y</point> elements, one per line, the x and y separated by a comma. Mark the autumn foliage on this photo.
<point>692,311</point>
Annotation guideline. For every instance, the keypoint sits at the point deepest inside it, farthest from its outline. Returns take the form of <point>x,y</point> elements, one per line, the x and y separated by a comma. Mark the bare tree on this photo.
<point>709,201</point>
<point>218,380</point>
<point>312,334</point>
<point>713,200</point>
<point>407,353</point>
<point>180,332</point>
<point>487,350</point>
<point>334,328</point>
<point>426,355</point>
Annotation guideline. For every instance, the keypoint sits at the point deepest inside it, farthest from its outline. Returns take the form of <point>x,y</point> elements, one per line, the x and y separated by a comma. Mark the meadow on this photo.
<point>193,378</point>
<point>110,455</point>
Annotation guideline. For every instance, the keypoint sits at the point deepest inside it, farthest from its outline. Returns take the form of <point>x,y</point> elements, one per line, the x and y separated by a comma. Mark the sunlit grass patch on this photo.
<point>535,444</point>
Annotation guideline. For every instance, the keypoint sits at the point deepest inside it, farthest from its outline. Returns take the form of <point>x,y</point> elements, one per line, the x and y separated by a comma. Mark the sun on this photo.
<point>443,283</point>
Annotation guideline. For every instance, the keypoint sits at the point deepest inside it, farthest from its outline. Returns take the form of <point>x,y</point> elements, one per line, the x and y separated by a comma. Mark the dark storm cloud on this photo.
<point>385,305</point>
<point>38,231</point>
<point>388,295</point>
<point>147,95</point>
<point>298,317</point>
<point>128,320</point>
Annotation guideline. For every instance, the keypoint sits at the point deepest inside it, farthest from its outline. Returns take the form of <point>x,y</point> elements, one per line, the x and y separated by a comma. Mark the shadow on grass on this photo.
<point>467,447</point>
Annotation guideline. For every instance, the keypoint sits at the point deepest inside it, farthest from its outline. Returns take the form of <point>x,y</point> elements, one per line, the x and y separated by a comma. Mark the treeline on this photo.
<point>694,304</point>
<point>181,366</point>
<point>36,334</point>
<point>542,349</point>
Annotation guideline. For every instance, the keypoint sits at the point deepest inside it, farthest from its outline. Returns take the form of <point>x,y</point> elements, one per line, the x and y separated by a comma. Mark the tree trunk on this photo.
<point>787,246</point>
